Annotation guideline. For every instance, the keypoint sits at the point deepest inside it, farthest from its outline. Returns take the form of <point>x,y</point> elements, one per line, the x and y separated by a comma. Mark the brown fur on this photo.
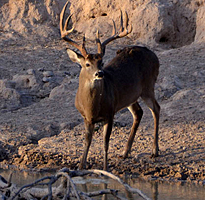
<point>130,75</point>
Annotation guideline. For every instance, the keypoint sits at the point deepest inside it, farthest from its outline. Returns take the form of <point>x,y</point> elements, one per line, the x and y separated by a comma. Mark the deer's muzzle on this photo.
<point>99,74</point>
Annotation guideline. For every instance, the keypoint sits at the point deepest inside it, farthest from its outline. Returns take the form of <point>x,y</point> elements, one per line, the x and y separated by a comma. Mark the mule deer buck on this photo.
<point>104,90</point>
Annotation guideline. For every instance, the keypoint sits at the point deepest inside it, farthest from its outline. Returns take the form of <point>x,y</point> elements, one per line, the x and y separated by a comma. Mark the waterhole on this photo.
<point>154,190</point>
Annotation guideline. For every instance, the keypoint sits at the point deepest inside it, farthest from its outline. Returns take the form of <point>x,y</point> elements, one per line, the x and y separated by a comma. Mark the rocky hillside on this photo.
<point>171,22</point>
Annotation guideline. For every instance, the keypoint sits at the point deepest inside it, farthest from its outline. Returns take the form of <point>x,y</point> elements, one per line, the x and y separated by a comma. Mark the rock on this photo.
<point>34,134</point>
<point>9,97</point>
<point>46,79</point>
<point>51,130</point>
<point>68,126</point>
<point>62,67</point>
<point>200,25</point>
<point>41,69</point>
<point>26,15</point>
<point>184,94</point>
<point>25,81</point>
<point>181,176</point>
<point>10,94</point>
<point>6,84</point>
<point>3,152</point>
<point>48,74</point>
<point>30,72</point>
<point>59,91</point>
<point>67,74</point>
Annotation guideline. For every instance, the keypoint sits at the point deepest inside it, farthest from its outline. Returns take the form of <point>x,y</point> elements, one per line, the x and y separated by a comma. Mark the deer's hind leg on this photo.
<point>137,113</point>
<point>155,109</point>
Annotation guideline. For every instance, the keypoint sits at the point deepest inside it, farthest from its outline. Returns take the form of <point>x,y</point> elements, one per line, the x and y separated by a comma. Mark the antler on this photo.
<point>65,32</point>
<point>124,31</point>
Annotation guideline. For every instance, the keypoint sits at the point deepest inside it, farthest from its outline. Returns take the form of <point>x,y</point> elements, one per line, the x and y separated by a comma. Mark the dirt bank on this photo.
<point>48,131</point>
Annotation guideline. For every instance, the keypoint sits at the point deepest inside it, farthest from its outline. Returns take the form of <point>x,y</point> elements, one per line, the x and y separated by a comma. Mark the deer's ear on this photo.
<point>75,57</point>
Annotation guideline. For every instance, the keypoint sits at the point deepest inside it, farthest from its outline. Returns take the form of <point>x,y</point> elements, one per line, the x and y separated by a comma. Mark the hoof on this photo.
<point>120,157</point>
<point>125,155</point>
<point>154,155</point>
<point>105,169</point>
<point>81,167</point>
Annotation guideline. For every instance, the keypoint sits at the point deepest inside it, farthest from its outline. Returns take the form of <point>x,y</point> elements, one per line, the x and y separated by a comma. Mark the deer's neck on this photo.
<point>94,89</point>
<point>89,98</point>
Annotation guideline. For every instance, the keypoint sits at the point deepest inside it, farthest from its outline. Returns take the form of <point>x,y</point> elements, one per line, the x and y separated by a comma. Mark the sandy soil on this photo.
<point>41,129</point>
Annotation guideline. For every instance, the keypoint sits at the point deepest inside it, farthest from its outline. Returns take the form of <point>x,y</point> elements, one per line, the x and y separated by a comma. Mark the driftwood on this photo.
<point>66,189</point>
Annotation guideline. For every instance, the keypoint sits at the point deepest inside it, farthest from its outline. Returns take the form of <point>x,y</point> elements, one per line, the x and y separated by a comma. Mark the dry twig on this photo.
<point>65,190</point>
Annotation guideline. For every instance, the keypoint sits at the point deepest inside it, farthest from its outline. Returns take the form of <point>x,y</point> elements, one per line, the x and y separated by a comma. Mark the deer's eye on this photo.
<point>87,64</point>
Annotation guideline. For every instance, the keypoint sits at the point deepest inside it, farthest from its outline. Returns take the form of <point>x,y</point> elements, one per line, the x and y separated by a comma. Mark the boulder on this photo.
<point>9,97</point>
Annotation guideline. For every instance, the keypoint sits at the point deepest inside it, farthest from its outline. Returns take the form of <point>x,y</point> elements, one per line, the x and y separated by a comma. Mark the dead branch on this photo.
<point>105,191</point>
<point>129,188</point>
<point>65,190</point>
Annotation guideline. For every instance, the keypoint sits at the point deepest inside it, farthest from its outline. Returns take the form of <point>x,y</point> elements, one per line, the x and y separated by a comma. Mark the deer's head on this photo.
<point>91,63</point>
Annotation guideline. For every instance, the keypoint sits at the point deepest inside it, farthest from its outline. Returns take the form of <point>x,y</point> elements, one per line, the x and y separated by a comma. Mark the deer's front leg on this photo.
<point>89,128</point>
<point>107,133</point>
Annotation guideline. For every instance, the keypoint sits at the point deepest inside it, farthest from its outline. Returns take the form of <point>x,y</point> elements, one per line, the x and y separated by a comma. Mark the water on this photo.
<point>154,190</point>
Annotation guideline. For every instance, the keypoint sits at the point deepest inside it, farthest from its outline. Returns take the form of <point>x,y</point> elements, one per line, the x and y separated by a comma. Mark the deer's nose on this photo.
<point>99,74</point>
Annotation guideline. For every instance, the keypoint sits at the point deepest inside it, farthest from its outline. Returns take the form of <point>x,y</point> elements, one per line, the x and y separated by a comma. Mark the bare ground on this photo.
<point>41,129</point>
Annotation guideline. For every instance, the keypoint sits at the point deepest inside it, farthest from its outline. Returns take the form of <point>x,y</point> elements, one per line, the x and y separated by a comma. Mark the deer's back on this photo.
<point>133,73</point>
<point>134,61</point>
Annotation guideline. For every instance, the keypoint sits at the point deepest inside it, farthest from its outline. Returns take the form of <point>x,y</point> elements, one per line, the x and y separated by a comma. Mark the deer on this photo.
<point>105,90</point>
